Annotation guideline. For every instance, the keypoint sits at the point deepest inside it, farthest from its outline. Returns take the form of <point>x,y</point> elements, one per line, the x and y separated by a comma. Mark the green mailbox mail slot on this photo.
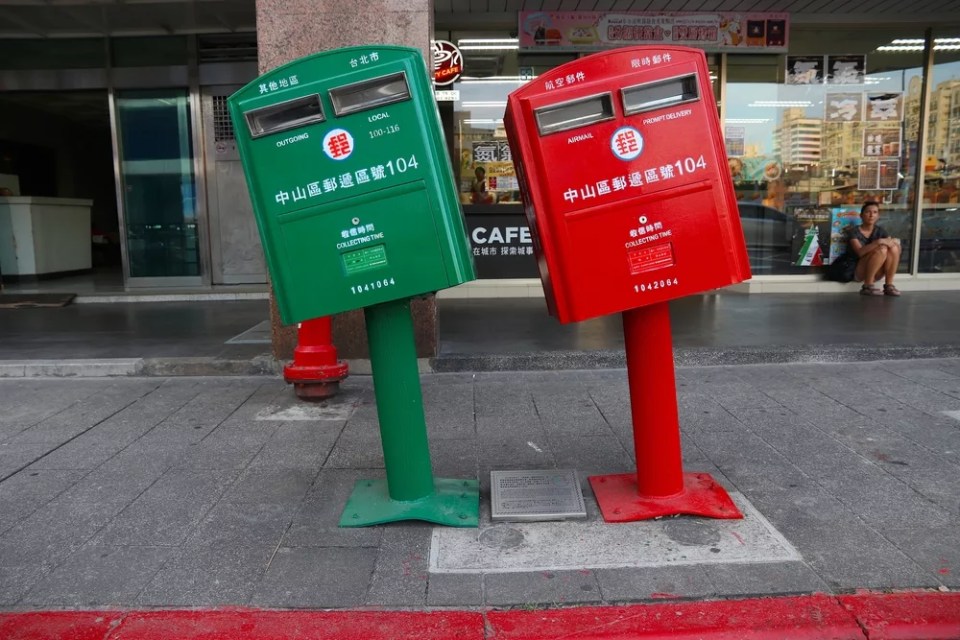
<point>351,182</point>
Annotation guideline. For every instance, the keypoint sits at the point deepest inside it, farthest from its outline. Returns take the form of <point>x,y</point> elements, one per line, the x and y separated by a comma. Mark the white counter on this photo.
<point>40,236</point>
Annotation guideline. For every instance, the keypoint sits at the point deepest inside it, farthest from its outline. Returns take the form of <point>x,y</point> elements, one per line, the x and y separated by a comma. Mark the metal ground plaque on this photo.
<point>541,494</point>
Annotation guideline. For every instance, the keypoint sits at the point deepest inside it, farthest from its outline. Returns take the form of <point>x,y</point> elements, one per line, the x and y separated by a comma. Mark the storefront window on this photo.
<point>811,135</point>
<point>940,222</point>
<point>156,162</point>
<point>485,167</point>
<point>814,134</point>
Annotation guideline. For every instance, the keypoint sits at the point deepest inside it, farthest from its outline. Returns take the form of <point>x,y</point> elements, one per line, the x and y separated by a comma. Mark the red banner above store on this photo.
<point>596,30</point>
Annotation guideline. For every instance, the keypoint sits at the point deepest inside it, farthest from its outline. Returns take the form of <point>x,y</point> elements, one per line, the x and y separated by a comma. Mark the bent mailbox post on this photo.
<point>353,192</point>
<point>626,190</point>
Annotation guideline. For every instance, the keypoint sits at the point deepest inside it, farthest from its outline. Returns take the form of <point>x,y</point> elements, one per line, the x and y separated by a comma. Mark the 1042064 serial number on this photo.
<point>372,286</point>
<point>656,284</point>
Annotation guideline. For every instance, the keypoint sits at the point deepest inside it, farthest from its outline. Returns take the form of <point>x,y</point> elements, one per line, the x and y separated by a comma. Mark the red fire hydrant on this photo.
<point>315,371</point>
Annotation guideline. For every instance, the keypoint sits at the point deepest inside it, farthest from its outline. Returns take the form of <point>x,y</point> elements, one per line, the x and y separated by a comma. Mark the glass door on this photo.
<point>158,186</point>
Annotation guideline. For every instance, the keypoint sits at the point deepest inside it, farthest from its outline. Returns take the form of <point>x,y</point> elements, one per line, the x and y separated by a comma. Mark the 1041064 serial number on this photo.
<point>372,286</point>
<point>656,284</point>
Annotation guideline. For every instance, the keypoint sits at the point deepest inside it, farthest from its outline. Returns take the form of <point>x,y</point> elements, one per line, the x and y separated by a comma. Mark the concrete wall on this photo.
<point>291,29</point>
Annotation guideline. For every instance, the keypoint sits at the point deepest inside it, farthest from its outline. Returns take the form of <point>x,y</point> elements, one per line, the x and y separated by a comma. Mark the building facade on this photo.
<point>124,104</point>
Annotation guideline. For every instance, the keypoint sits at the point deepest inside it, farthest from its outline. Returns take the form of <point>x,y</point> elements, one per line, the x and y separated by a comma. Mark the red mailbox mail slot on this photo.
<point>625,181</point>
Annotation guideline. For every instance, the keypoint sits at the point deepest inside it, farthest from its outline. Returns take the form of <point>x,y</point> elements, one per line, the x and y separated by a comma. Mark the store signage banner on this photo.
<point>502,246</point>
<point>597,30</point>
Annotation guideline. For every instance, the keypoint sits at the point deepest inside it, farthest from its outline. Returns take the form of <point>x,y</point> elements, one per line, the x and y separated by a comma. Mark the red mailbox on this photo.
<point>625,179</point>
<point>630,204</point>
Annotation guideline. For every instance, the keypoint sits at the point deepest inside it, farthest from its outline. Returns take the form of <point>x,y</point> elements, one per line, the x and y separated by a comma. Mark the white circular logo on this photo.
<point>338,144</point>
<point>626,143</point>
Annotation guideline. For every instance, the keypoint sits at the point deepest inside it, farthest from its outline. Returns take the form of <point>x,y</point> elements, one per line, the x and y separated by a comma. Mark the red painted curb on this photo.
<point>65,625</point>
<point>300,625</point>
<point>907,616</point>
<point>816,616</point>
<point>242,624</point>
<point>916,615</point>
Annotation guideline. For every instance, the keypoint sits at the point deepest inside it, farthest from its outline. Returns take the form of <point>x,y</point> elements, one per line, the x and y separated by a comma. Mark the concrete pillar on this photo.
<point>290,29</point>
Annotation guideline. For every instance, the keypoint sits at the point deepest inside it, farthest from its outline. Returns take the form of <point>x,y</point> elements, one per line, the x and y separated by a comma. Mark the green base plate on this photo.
<point>454,502</point>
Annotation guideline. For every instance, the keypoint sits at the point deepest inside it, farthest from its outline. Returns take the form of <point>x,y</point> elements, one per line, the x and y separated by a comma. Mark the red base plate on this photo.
<point>620,501</point>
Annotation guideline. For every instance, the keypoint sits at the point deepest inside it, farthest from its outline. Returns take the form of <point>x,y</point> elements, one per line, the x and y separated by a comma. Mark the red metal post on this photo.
<point>659,487</point>
<point>315,371</point>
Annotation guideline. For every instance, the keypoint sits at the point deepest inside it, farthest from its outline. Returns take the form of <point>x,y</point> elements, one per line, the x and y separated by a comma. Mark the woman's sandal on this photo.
<point>890,290</point>
<point>870,290</point>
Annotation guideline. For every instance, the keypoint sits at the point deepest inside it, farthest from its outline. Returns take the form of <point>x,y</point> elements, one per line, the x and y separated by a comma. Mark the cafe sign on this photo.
<point>447,63</point>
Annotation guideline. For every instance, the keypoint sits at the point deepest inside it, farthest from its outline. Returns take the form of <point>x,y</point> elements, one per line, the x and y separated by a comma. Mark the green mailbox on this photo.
<point>353,192</point>
<point>351,183</point>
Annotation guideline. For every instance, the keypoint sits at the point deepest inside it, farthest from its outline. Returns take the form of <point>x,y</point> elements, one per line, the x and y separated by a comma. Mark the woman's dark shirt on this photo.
<point>853,233</point>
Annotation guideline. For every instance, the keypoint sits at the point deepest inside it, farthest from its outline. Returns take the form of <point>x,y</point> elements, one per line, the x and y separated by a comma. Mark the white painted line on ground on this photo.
<point>257,334</point>
<point>509,547</point>
<point>306,411</point>
<point>952,414</point>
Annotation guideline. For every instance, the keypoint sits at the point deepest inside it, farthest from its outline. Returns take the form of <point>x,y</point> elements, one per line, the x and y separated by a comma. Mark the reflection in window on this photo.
<point>940,224</point>
<point>806,151</point>
<point>484,163</point>
<point>156,164</point>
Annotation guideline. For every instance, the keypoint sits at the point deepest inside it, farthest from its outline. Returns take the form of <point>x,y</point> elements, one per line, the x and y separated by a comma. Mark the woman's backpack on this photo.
<point>843,268</point>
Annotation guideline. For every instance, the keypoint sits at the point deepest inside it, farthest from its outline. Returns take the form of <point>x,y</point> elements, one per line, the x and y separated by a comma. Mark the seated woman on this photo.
<point>878,255</point>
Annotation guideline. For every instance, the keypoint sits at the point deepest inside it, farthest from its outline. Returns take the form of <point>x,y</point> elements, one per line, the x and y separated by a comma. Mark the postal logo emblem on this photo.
<point>338,144</point>
<point>626,143</point>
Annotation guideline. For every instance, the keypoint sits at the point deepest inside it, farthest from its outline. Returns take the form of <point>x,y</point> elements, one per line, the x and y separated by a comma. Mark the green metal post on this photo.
<point>396,381</point>
<point>410,491</point>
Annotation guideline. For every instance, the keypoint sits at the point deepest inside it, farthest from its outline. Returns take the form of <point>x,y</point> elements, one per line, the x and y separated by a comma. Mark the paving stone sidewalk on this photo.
<point>149,492</point>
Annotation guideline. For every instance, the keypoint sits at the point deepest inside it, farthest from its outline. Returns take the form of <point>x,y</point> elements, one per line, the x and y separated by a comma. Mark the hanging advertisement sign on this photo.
<point>843,107</point>
<point>804,70</point>
<point>881,142</point>
<point>889,175</point>
<point>734,139</point>
<point>846,69</point>
<point>597,30</point>
<point>868,176</point>
<point>884,107</point>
